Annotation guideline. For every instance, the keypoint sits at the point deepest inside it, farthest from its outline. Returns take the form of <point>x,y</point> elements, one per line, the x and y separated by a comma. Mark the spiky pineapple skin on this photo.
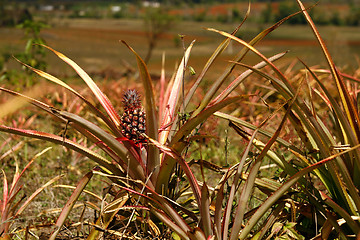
<point>133,118</point>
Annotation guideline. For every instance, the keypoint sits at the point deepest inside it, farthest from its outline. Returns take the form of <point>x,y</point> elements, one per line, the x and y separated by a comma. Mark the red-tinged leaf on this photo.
<point>12,149</point>
<point>249,183</point>
<point>205,211</point>
<point>196,234</point>
<point>63,84</point>
<point>348,104</point>
<point>37,192</point>
<point>160,202</point>
<point>352,78</point>
<point>192,180</point>
<point>65,142</point>
<point>313,126</point>
<point>285,186</point>
<point>17,176</point>
<point>344,75</point>
<point>51,78</point>
<point>70,204</point>
<point>173,101</point>
<point>342,212</point>
<point>109,108</point>
<point>219,192</point>
<point>14,104</point>
<point>216,86</point>
<point>55,113</point>
<point>237,81</point>
<point>33,101</point>
<point>113,207</point>
<point>323,97</point>
<point>5,193</point>
<point>218,212</point>
<point>350,135</point>
<point>15,186</point>
<point>250,47</point>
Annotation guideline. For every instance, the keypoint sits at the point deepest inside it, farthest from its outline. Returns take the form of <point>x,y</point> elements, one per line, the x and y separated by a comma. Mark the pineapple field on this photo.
<point>200,130</point>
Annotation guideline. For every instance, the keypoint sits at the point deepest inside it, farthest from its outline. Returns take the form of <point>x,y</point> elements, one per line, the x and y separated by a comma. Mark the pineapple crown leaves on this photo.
<point>131,99</point>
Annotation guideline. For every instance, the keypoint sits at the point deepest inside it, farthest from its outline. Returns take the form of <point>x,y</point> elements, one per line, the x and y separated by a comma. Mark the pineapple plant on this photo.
<point>133,118</point>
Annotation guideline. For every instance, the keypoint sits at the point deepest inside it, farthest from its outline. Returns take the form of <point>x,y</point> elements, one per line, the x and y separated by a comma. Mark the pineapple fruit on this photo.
<point>133,118</point>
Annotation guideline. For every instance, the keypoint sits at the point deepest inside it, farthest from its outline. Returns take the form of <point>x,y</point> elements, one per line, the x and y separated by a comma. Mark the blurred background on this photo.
<point>89,32</point>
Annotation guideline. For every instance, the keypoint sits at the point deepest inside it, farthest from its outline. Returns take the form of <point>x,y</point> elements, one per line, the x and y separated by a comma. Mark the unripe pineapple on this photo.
<point>133,119</point>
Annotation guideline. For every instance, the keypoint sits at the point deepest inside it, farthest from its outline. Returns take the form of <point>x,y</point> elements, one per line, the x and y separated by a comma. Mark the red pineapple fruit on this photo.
<point>133,118</point>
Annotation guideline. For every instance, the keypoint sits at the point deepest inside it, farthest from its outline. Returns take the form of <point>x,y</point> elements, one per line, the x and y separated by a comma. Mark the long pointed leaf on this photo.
<point>163,205</point>
<point>37,192</point>
<point>168,163</point>
<point>70,204</point>
<point>160,215</point>
<point>285,186</point>
<point>16,182</point>
<point>192,180</point>
<point>243,76</point>
<point>253,127</point>
<point>66,142</point>
<point>17,102</point>
<point>249,184</point>
<point>205,211</point>
<point>63,84</point>
<point>34,102</point>
<point>86,133</point>
<point>349,134</point>
<point>94,88</point>
<point>313,125</point>
<point>5,193</point>
<point>106,217</point>
<point>348,104</point>
<point>174,97</point>
<point>134,164</point>
<point>222,46</point>
<point>215,87</point>
<point>193,122</point>
<point>355,227</point>
<point>229,204</point>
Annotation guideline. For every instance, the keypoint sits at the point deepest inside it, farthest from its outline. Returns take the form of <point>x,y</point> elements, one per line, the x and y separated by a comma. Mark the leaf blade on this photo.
<point>70,203</point>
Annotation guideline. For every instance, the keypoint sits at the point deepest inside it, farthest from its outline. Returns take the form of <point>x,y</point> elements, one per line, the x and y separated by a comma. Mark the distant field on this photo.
<point>94,44</point>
